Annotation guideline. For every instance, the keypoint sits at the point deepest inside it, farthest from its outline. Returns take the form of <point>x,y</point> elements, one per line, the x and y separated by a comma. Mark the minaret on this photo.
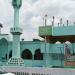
<point>16,32</point>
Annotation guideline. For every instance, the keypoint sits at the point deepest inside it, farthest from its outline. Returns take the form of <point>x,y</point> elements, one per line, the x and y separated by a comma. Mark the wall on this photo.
<point>52,55</point>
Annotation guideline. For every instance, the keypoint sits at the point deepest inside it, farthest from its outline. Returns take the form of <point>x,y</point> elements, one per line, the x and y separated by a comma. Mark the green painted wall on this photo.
<point>56,31</point>
<point>61,31</point>
<point>32,46</point>
<point>45,30</point>
<point>51,56</point>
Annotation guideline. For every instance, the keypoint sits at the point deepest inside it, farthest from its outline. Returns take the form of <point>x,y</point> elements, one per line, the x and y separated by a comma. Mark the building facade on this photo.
<point>56,50</point>
<point>36,53</point>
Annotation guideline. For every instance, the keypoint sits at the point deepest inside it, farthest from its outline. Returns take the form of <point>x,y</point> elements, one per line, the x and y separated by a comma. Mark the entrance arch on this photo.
<point>3,48</point>
<point>26,54</point>
<point>38,55</point>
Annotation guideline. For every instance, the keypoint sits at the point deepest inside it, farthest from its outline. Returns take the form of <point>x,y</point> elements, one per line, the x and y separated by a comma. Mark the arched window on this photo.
<point>3,48</point>
<point>3,41</point>
<point>38,55</point>
<point>10,54</point>
<point>26,54</point>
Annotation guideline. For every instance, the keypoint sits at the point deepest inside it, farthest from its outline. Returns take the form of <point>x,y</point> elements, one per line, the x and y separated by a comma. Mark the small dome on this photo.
<point>58,42</point>
<point>67,42</point>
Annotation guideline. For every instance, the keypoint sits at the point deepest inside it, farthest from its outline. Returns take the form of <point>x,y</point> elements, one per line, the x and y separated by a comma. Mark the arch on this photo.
<point>10,54</point>
<point>26,54</point>
<point>3,48</point>
<point>3,41</point>
<point>38,55</point>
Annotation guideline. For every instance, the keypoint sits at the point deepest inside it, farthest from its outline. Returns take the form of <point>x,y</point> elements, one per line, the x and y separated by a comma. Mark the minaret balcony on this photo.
<point>16,30</point>
<point>17,3</point>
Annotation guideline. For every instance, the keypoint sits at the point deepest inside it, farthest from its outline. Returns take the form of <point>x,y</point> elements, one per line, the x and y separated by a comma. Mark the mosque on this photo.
<point>57,50</point>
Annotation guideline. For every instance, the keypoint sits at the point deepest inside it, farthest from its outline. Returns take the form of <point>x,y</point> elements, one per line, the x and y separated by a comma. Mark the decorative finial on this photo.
<point>45,19</point>
<point>61,21</point>
<point>58,24</point>
<point>53,17</point>
<point>67,22</point>
<point>53,21</point>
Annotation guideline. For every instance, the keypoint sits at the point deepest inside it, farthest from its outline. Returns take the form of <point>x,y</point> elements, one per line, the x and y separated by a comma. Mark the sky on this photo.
<point>32,13</point>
